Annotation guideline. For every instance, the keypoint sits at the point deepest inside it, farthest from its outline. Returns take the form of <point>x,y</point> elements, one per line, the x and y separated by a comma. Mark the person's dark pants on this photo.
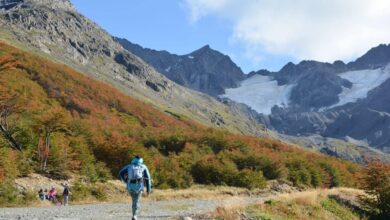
<point>136,197</point>
<point>66,198</point>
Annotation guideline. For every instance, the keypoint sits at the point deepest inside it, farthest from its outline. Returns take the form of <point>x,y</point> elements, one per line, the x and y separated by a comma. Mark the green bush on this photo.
<point>224,172</point>
<point>316,178</point>
<point>9,195</point>
<point>80,191</point>
<point>271,170</point>
<point>250,179</point>
<point>25,163</point>
<point>302,173</point>
<point>214,172</point>
<point>334,174</point>
<point>28,197</point>
<point>173,143</point>
<point>299,174</point>
<point>170,174</point>
<point>99,193</point>
<point>8,165</point>
<point>216,141</point>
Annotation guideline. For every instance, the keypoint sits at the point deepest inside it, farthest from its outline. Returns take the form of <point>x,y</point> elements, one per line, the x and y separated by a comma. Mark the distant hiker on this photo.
<point>41,195</point>
<point>53,195</point>
<point>65,194</point>
<point>134,175</point>
<point>46,194</point>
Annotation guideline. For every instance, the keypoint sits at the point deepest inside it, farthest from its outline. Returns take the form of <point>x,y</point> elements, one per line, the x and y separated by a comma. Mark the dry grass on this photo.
<point>310,196</point>
<point>298,205</point>
<point>198,192</point>
<point>116,192</point>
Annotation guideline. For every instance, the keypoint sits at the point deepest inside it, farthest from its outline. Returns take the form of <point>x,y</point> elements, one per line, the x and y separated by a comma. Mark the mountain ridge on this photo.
<point>314,87</point>
<point>311,105</point>
<point>331,99</point>
<point>193,70</point>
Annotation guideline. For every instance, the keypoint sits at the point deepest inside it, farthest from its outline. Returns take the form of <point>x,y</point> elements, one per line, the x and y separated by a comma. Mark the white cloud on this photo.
<point>200,8</point>
<point>323,30</point>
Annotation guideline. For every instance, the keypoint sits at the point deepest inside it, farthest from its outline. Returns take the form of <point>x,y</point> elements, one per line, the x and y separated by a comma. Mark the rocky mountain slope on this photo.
<point>54,29</point>
<point>304,99</point>
<point>309,86</point>
<point>345,101</point>
<point>205,70</point>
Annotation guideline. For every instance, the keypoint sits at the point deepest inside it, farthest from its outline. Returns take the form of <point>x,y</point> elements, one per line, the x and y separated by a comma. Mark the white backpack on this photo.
<point>135,172</point>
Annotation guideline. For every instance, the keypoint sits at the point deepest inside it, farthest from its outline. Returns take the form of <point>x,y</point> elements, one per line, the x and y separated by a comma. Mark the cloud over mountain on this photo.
<point>323,30</point>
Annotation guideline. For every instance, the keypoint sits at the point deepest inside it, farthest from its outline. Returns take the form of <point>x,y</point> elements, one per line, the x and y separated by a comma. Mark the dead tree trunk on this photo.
<point>8,136</point>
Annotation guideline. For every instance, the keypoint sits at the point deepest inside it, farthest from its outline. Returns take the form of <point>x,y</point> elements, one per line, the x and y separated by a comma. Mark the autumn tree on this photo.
<point>9,105</point>
<point>53,121</point>
<point>376,183</point>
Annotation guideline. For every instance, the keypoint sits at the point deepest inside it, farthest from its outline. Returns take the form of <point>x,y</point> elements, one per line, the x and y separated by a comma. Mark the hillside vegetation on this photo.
<point>67,124</point>
<point>337,203</point>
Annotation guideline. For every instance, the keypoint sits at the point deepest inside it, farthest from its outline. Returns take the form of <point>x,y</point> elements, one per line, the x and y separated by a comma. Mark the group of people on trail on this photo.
<point>51,195</point>
<point>136,175</point>
<point>48,195</point>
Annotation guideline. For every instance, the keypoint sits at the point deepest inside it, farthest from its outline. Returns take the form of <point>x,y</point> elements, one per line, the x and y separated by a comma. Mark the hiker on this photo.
<point>65,194</point>
<point>134,175</point>
<point>52,195</point>
<point>46,194</point>
<point>41,195</point>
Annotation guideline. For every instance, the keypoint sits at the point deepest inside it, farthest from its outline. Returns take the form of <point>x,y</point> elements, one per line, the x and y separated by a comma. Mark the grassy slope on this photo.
<point>113,126</point>
<point>317,204</point>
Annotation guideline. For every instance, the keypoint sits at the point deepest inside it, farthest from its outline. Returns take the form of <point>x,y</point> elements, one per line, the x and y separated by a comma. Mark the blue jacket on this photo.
<point>136,186</point>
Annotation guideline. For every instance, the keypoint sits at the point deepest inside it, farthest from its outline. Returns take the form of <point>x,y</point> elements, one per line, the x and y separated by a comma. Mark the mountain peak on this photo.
<point>205,47</point>
<point>205,69</point>
<point>53,4</point>
<point>376,57</point>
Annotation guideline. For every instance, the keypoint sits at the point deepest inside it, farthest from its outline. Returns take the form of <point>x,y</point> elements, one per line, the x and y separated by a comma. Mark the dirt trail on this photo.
<point>172,209</point>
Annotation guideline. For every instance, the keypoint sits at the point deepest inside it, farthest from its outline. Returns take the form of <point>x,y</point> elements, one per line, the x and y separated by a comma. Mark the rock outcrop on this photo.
<point>204,70</point>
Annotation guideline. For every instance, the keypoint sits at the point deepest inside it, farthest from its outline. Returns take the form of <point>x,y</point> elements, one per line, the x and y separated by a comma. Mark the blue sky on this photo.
<point>166,25</point>
<point>256,34</point>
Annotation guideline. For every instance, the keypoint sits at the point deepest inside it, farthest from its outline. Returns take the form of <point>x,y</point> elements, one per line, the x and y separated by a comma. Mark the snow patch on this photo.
<point>168,69</point>
<point>362,82</point>
<point>191,57</point>
<point>261,93</point>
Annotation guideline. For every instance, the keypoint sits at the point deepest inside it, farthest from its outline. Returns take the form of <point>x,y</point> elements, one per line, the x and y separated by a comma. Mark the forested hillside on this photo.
<point>67,124</point>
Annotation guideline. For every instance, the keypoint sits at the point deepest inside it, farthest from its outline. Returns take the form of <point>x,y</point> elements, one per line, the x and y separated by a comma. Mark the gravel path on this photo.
<point>173,209</point>
<point>167,209</point>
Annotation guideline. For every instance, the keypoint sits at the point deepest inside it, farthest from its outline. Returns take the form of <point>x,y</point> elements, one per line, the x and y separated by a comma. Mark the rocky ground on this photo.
<point>162,204</point>
<point>153,209</point>
<point>172,209</point>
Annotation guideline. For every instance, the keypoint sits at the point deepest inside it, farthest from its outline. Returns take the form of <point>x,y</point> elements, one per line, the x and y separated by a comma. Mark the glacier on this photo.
<point>362,81</point>
<point>261,93</point>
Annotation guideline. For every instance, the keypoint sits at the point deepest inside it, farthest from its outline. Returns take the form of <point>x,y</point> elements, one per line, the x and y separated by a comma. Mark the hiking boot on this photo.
<point>134,218</point>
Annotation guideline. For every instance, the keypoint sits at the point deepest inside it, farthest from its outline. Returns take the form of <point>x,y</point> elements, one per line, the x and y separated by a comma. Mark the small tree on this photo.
<point>9,105</point>
<point>53,121</point>
<point>376,183</point>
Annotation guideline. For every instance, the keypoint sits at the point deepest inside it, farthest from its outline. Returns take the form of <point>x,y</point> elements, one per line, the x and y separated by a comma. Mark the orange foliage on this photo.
<point>117,126</point>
